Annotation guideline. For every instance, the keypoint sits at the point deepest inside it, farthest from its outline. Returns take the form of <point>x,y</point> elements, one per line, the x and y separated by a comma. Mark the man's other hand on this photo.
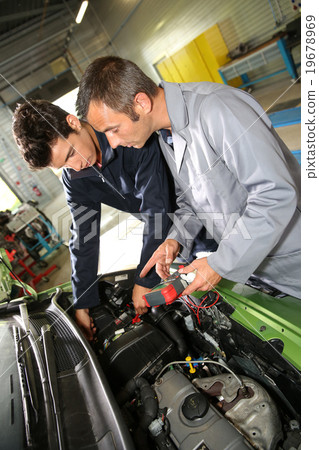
<point>137,297</point>
<point>85,322</point>
<point>162,258</point>
<point>206,277</point>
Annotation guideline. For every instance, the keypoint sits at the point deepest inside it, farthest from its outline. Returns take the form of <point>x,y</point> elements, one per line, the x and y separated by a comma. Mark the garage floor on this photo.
<point>121,236</point>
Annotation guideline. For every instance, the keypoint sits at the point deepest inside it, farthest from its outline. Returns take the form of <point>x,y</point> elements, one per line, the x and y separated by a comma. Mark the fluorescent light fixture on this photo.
<point>81,12</point>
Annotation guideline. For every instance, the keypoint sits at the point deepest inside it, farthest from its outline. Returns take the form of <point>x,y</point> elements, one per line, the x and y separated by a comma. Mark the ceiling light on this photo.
<point>81,12</point>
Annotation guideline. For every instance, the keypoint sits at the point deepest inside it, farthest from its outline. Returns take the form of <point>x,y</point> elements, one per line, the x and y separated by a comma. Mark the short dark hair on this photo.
<point>36,126</point>
<point>115,82</point>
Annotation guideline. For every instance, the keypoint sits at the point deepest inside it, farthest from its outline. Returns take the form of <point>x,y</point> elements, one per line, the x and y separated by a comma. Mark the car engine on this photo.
<point>188,376</point>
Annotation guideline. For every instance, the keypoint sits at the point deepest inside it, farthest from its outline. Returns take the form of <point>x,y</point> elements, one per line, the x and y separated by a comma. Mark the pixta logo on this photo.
<point>82,222</point>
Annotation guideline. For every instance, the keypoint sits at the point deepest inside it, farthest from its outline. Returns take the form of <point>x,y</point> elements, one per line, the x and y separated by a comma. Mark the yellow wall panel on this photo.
<point>214,50</point>
<point>216,42</point>
<point>199,60</point>
<point>174,71</point>
<point>191,65</point>
<point>164,72</point>
<point>208,57</point>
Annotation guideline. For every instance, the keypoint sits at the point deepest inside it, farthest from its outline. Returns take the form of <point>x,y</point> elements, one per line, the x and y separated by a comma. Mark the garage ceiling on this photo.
<point>34,38</point>
<point>18,14</point>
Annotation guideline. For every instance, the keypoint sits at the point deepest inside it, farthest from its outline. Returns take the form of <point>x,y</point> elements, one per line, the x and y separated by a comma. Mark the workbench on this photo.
<point>259,57</point>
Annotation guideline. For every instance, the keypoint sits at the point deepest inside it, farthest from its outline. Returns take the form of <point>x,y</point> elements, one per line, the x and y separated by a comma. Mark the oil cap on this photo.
<point>195,406</point>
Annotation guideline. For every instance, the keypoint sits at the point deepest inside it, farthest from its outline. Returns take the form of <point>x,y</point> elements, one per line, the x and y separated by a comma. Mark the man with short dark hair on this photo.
<point>233,173</point>
<point>134,181</point>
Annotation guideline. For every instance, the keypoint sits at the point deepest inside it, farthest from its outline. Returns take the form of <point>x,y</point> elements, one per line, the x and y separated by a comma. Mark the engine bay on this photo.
<point>216,370</point>
<point>188,376</point>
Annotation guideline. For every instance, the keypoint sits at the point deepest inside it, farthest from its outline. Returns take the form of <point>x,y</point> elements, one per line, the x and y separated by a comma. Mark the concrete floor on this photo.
<point>283,95</point>
<point>121,234</point>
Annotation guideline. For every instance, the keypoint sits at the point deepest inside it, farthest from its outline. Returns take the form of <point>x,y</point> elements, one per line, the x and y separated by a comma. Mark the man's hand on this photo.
<point>85,322</point>
<point>137,297</point>
<point>162,258</point>
<point>206,277</point>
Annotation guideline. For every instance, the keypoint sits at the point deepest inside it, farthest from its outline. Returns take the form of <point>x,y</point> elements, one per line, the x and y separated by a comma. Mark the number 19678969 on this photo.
<point>310,44</point>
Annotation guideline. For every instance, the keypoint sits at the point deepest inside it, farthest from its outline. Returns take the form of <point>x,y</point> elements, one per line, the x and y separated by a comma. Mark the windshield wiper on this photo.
<point>53,380</point>
<point>54,428</point>
<point>27,383</point>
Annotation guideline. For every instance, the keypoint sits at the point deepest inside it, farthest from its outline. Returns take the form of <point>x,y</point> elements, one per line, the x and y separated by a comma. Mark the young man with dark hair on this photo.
<point>233,173</point>
<point>131,180</point>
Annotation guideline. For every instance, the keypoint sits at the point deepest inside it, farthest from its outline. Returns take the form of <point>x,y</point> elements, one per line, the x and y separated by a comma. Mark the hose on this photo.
<point>167,324</point>
<point>149,401</point>
<point>148,398</point>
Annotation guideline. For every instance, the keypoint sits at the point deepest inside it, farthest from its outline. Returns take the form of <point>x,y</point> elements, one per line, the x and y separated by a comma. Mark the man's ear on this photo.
<point>143,101</point>
<point>73,122</point>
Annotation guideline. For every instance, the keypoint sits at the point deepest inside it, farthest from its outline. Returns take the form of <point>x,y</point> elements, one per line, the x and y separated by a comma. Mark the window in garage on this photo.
<point>8,199</point>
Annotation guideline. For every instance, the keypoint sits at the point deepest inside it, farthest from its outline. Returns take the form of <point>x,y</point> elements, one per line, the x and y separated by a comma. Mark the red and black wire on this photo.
<point>196,308</point>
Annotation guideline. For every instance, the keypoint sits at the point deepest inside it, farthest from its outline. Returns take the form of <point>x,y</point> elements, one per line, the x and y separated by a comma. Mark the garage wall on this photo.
<point>148,30</point>
<point>41,186</point>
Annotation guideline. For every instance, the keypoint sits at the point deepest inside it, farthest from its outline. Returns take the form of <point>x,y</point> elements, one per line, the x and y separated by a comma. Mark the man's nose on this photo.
<point>75,165</point>
<point>114,141</point>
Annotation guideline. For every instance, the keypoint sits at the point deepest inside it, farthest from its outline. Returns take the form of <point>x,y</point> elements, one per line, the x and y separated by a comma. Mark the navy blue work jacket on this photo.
<point>134,181</point>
